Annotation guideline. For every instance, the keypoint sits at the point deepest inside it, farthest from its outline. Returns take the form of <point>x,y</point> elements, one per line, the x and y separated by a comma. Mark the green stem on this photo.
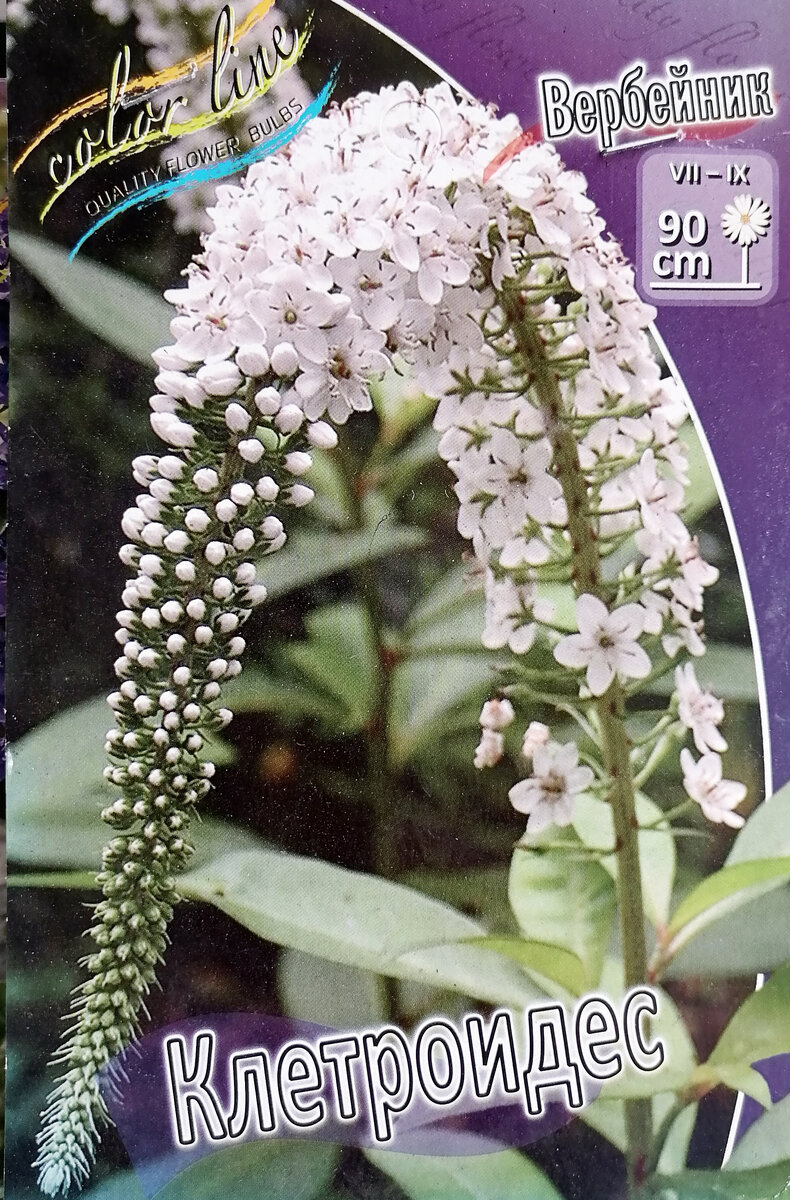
<point>610,707</point>
<point>662,1133</point>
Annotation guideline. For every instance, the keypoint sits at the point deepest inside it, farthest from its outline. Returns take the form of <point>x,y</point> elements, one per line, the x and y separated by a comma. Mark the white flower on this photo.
<point>502,484</point>
<point>291,311</point>
<point>508,615</point>
<point>338,385</point>
<point>375,285</point>
<point>746,220</point>
<point>606,643</point>
<point>489,750</point>
<point>497,715</point>
<point>549,795</point>
<point>701,712</point>
<point>716,797</point>
<point>537,734</point>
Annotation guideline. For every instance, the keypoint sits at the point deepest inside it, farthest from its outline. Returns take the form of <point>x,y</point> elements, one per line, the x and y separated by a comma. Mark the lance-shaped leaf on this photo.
<point>316,554</point>
<point>504,1176</point>
<point>565,901</point>
<point>362,920</point>
<point>127,315</point>
<point>769,1183</point>
<point>765,1142</point>
<point>56,790</point>
<point>720,895</point>
<point>759,1029</point>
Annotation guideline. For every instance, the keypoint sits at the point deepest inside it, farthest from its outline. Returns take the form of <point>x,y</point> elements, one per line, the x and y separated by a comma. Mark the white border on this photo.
<point>755,635</point>
<point>394,37</point>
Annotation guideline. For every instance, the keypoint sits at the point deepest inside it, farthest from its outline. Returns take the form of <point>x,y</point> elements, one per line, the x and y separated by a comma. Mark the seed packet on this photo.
<point>399,667</point>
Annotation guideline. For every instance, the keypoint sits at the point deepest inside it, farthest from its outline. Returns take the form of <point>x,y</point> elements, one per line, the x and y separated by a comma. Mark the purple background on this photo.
<point>734,361</point>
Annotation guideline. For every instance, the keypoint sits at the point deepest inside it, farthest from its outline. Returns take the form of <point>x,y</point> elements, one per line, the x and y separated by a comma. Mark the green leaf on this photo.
<point>721,894</point>
<point>56,790</point>
<point>125,314</point>
<point>290,698</point>
<point>332,502</point>
<point>594,822</point>
<point>755,938</point>
<point>257,1171</point>
<point>760,1029</point>
<point>121,1186</point>
<point>478,891</point>
<point>766,834</point>
<point>426,693</point>
<point>565,902</point>
<point>701,493</point>
<point>418,455</point>
<point>728,671</point>
<point>312,554</point>
<point>340,660</point>
<point>447,624</point>
<point>347,998</point>
<point>607,1117</point>
<point>506,1175</point>
<point>765,1142</point>
<point>399,404</point>
<point>80,880</point>
<point>769,1183</point>
<point>551,962</point>
<point>358,919</point>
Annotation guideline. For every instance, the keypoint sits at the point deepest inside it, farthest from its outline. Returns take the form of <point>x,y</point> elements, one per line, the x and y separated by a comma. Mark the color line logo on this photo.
<point>117,135</point>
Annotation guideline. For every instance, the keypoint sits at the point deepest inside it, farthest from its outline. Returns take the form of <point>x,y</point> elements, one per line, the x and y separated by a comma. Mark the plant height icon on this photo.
<point>743,223</point>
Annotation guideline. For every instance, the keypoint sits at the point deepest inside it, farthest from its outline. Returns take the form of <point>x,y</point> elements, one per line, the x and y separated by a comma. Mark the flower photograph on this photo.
<point>388,656</point>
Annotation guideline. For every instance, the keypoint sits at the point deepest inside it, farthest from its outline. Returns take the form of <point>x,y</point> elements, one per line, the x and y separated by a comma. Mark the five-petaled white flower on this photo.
<point>606,643</point>
<point>700,711</point>
<point>549,795</point>
<point>746,220</point>
<point>716,797</point>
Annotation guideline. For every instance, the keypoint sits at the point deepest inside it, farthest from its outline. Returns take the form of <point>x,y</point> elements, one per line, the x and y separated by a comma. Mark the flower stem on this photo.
<point>610,707</point>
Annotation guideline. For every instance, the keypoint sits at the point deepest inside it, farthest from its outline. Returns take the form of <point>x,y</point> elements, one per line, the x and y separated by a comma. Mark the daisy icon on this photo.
<point>746,220</point>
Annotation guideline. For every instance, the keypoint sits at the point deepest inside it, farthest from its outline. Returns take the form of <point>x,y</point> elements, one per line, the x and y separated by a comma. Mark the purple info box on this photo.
<point>708,231</point>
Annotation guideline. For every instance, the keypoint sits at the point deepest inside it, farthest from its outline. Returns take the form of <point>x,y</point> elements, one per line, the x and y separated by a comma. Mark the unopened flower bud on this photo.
<point>497,715</point>
<point>253,360</point>
<point>298,463</point>
<point>284,359</point>
<point>300,495</point>
<point>266,489</point>
<point>537,734</point>
<point>220,378</point>
<point>251,450</point>
<point>185,571</point>
<point>321,435</point>
<point>242,494</point>
<point>289,418</point>
<point>171,467</point>
<point>237,418</point>
<point>197,521</point>
<point>176,541</point>
<point>226,510</point>
<point>267,401</point>
<point>206,480</point>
